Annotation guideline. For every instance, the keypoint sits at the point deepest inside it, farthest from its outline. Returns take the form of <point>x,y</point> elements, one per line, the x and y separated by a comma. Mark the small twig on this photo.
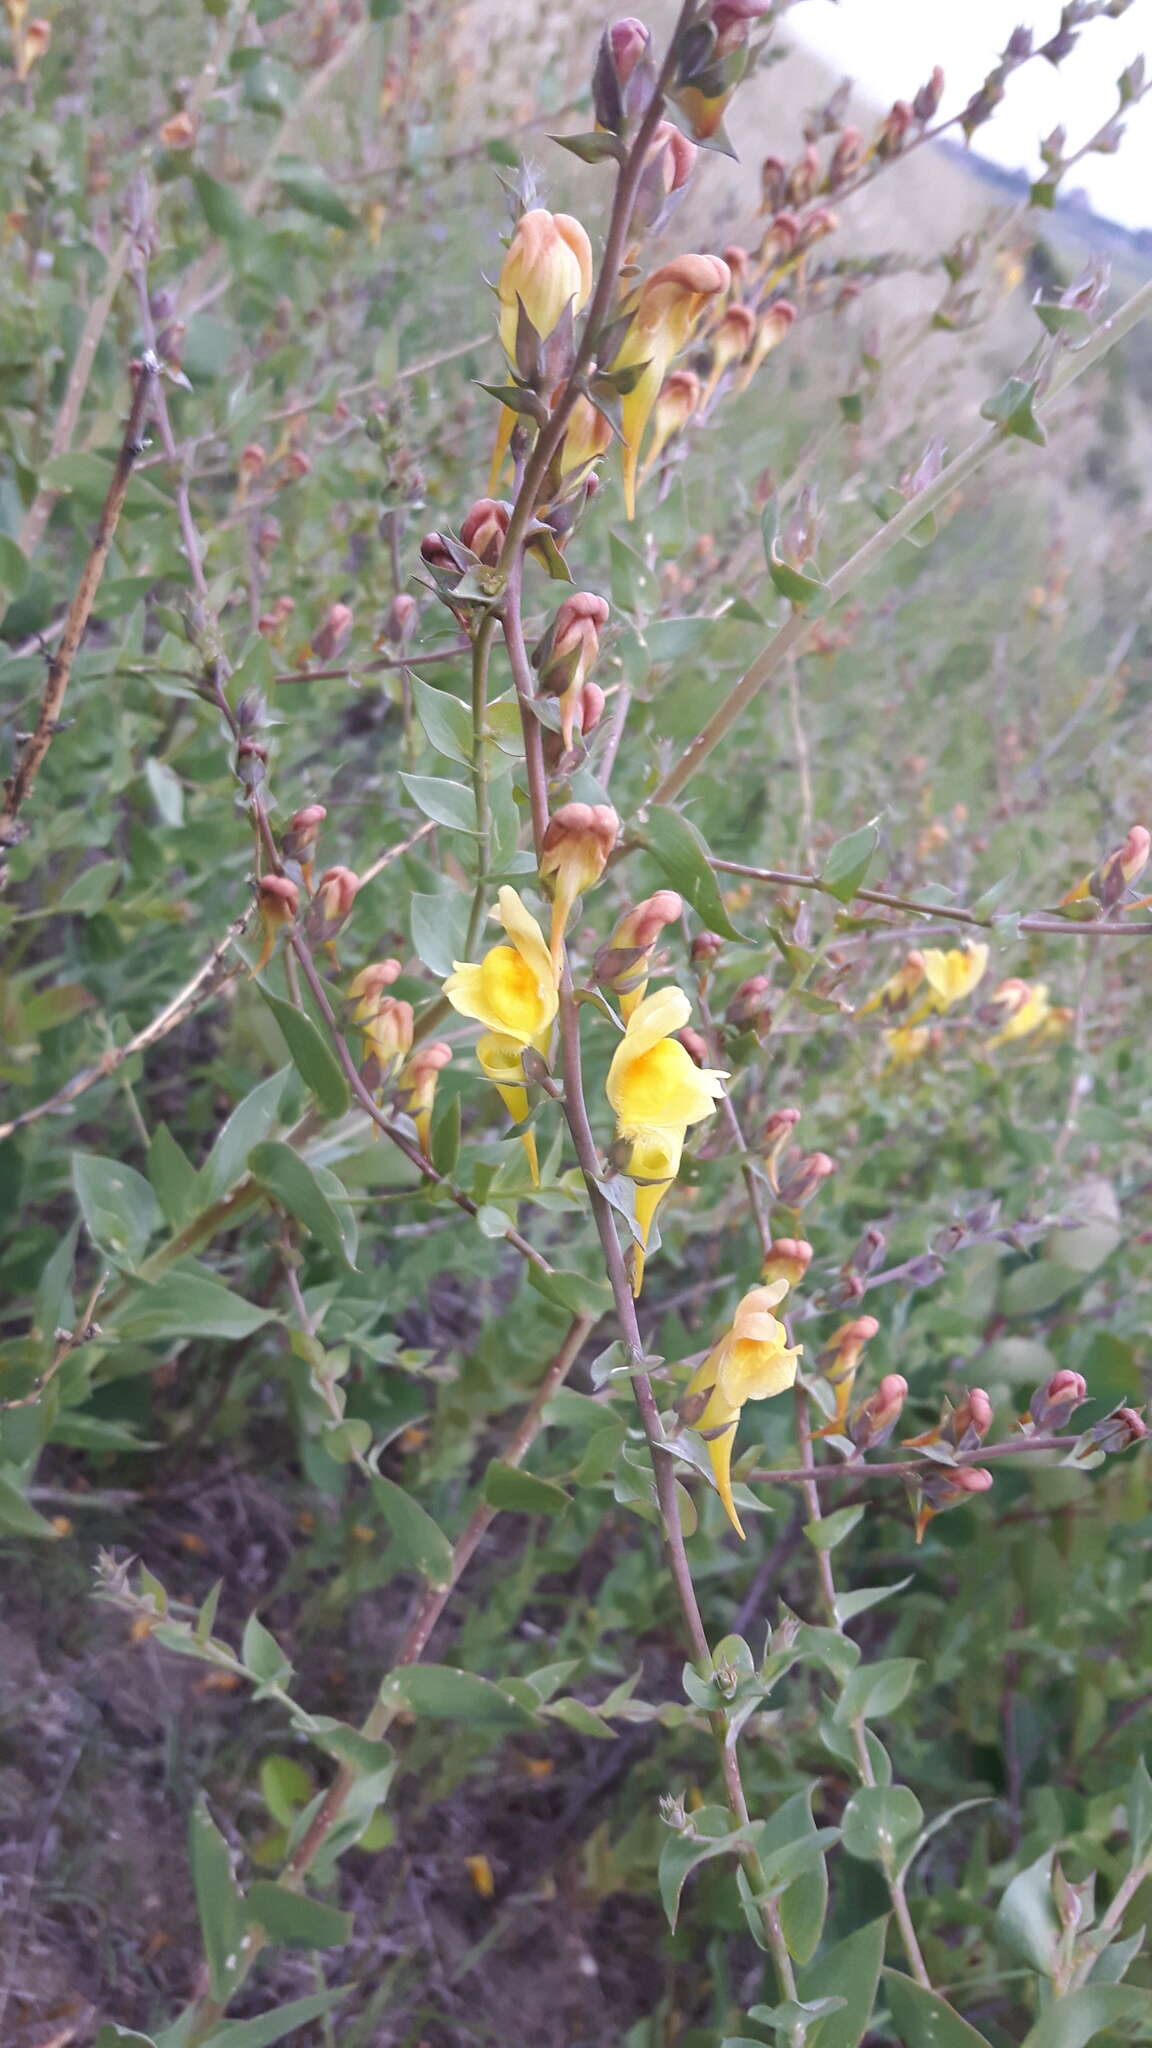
<point>1065,928</point>
<point>394,852</point>
<point>19,785</point>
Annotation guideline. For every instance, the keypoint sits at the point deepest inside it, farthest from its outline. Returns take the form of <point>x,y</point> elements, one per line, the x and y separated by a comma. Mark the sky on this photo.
<point>890,47</point>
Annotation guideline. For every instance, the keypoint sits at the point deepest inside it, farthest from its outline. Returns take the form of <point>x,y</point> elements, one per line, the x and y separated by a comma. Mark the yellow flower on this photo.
<point>668,306</point>
<point>897,992</point>
<point>907,1044</point>
<point>513,993</point>
<point>751,1362</point>
<point>1027,1010</point>
<point>657,1091</point>
<point>952,976</point>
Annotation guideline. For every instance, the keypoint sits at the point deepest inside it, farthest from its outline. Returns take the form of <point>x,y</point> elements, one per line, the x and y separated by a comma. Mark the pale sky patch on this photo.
<point>890,47</point>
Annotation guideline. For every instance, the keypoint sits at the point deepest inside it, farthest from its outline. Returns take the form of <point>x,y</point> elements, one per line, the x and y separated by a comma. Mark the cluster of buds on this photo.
<point>566,656</point>
<point>573,854</point>
<point>625,963</point>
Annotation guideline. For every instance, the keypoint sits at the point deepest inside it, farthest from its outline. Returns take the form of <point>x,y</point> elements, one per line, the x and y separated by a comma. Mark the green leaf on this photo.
<point>167,792</point>
<point>446,720</point>
<point>312,1056</point>
<point>879,1821</point>
<point>249,1123</point>
<point>296,1921</point>
<point>445,1135</point>
<point>439,926</point>
<point>54,1305</point>
<point>285,1786</point>
<point>832,1529</point>
<point>441,1693</point>
<point>849,1605</point>
<point>273,2026</point>
<point>711,1835</point>
<point>119,1208</point>
<point>112,2036</point>
<point>262,1656</point>
<point>447,803</point>
<point>291,1182</point>
<point>221,207</point>
<point>577,1293</point>
<point>1012,408</point>
<point>17,1518</point>
<point>13,571</point>
<point>682,855</point>
<point>313,194</point>
<point>419,1542</point>
<point>1074,2019</point>
<point>850,1971</point>
<point>593,147</point>
<point>848,862</point>
<point>804,1903</point>
<point>219,1902</point>
<point>800,590</point>
<point>522,1493</point>
<point>1026,1918</point>
<point>925,2020</point>
<point>875,1689</point>
<point>187,1304</point>
<point>172,1175</point>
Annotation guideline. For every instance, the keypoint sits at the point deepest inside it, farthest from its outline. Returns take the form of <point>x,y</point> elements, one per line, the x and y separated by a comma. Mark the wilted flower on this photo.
<point>513,993</point>
<point>751,1362</point>
<point>668,306</point>
<point>623,965</point>
<point>657,1092</point>
<point>569,651</point>
<point>574,850</point>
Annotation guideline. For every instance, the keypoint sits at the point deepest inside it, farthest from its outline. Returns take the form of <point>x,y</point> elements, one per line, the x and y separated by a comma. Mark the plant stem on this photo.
<point>481,651</point>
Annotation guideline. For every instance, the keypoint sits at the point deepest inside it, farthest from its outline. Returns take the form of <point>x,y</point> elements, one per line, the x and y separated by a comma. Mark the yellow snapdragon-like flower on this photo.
<point>547,269</point>
<point>1027,1009</point>
<point>751,1362</point>
<point>657,1092</point>
<point>954,974</point>
<point>513,993</point>
<point>907,1044</point>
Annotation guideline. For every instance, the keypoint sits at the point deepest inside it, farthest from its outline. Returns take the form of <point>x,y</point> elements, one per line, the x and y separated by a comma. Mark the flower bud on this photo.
<point>28,43</point>
<point>779,240</point>
<point>302,833</point>
<point>775,326</point>
<point>575,848</point>
<point>941,1487</point>
<point>484,528</point>
<point>278,902</point>
<point>1116,874</point>
<point>587,436</point>
<point>1056,1401</point>
<point>179,130</point>
<point>435,551</point>
<point>773,184</point>
<point>775,1139</point>
<point>332,903</point>
<point>387,1036</point>
<point>624,964</point>
<point>679,399</point>
<point>568,652</point>
<point>841,1354</point>
<point>296,465</point>
<point>400,620</point>
<point>928,98</point>
<point>731,341</point>
<point>971,1421</point>
<point>546,273</point>
<point>623,75</point>
<point>847,158</point>
<point>667,172</point>
<point>416,1088</point>
<point>802,1177</point>
<point>748,1009</point>
<point>667,309</point>
<point>1117,1432</point>
<point>332,637</point>
<point>249,468</point>
<point>703,950</point>
<point>366,989</point>
<point>629,42</point>
<point>695,1045</point>
<point>787,1258</point>
<point>876,1418</point>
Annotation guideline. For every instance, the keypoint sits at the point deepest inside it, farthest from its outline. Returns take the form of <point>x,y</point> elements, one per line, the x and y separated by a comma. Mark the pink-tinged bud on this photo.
<point>841,1354</point>
<point>801,1178</point>
<point>695,1045</point>
<point>779,240</point>
<point>704,948</point>
<point>435,551</point>
<point>624,964</point>
<point>971,1421</point>
<point>332,637</point>
<point>416,1088</point>
<point>775,1139</point>
<point>278,901</point>
<point>773,184</point>
<point>629,42</point>
<point>788,1258</point>
<point>332,903</point>
<point>387,1037</point>
<point>1117,1432</point>
<point>484,528</point>
<point>893,130</point>
<point>250,467</point>
<point>737,259</point>
<point>592,702</point>
<point>272,622</point>
<point>296,465</point>
<point>587,436</point>
<point>574,851</point>
<point>642,925</point>
<point>847,158</point>
<point>817,225</point>
<point>547,272</point>
<point>748,1009</point>
<point>726,15</point>
<point>1121,868</point>
<point>1056,1401</point>
<point>928,98</point>
<point>876,1418</point>
<point>679,398</point>
<point>400,620</point>
<point>268,536</point>
<point>731,341</point>
<point>805,177</point>
<point>179,131</point>
<point>943,1487</point>
<point>568,651</point>
<point>366,988</point>
<point>304,827</point>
